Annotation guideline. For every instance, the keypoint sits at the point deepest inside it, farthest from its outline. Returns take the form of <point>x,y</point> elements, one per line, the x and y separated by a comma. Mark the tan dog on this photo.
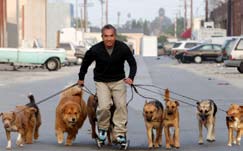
<point>92,104</point>
<point>234,122</point>
<point>21,120</point>
<point>71,113</point>
<point>153,118</point>
<point>206,115</point>
<point>171,119</point>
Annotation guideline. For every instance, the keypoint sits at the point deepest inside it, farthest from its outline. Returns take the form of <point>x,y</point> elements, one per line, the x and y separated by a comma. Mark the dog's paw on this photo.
<point>210,140</point>
<point>8,147</point>
<point>229,144</point>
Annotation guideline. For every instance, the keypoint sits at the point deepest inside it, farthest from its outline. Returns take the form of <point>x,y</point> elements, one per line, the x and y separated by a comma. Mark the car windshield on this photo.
<point>177,44</point>
<point>228,45</point>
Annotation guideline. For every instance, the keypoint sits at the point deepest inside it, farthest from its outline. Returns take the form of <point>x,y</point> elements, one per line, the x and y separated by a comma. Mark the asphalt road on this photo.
<point>15,86</point>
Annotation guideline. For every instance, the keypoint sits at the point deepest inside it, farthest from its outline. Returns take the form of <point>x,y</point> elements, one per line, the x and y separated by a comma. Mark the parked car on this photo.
<point>180,46</point>
<point>70,53</point>
<point>168,46</point>
<point>203,52</point>
<point>79,51</point>
<point>236,56</point>
<point>52,59</point>
<point>227,47</point>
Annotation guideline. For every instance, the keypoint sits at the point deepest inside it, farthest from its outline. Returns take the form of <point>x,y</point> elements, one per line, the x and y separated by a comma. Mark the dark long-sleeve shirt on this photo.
<point>108,68</point>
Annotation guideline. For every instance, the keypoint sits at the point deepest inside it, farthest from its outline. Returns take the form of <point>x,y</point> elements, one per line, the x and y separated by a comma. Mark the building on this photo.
<point>60,15</point>
<point>3,20</point>
<point>229,15</point>
<point>26,20</point>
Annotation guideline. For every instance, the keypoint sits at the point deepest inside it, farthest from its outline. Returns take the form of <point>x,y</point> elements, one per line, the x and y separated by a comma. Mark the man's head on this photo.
<point>109,35</point>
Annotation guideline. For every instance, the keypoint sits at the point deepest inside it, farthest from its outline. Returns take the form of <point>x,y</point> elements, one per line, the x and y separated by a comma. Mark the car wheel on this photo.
<point>198,59</point>
<point>53,64</point>
<point>240,68</point>
<point>219,59</point>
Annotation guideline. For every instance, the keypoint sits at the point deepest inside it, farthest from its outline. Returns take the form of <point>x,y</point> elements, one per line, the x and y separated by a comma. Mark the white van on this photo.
<point>236,56</point>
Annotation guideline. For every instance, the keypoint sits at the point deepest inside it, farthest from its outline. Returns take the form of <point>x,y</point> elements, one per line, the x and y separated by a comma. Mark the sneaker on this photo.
<point>121,139</point>
<point>102,135</point>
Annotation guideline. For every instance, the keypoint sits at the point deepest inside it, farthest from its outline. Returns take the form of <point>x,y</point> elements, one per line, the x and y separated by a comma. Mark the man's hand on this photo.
<point>81,83</point>
<point>128,81</point>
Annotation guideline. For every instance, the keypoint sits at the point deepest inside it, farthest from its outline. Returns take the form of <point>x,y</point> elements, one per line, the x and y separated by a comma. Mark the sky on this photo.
<point>144,9</point>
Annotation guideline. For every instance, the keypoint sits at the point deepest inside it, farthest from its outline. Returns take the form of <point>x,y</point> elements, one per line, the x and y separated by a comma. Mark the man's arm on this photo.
<point>87,60</point>
<point>133,67</point>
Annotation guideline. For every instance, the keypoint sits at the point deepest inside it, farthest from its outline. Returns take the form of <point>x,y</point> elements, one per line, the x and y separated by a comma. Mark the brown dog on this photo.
<point>234,122</point>
<point>153,118</point>
<point>92,104</point>
<point>71,113</point>
<point>171,119</point>
<point>206,115</point>
<point>21,120</point>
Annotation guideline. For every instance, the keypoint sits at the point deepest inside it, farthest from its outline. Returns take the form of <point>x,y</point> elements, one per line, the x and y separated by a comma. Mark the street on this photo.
<point>163,72</point>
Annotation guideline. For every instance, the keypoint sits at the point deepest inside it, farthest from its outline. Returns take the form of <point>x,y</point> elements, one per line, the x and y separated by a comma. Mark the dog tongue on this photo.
<point>203,122</point>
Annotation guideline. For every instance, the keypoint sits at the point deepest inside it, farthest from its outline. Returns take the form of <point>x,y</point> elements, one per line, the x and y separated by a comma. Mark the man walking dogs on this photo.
<point>110,80</point>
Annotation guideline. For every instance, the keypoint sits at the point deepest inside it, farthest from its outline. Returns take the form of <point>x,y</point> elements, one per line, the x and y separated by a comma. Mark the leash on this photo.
<point>141,86</point>
<point>55,94</point>
<point>134,86</point>
<point>146,97</point>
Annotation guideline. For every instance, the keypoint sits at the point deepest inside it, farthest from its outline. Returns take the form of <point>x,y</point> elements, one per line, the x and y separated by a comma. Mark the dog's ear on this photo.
<point>14,115</point>
<point>198,103</point>
<point>1,113</point>
<point>177,103</point>
<point>167,95</point>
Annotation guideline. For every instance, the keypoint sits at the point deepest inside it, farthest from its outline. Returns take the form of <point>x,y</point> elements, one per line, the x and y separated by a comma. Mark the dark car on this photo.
<point>203,52</point>
<point>227,47</point>
<point>80,51</point>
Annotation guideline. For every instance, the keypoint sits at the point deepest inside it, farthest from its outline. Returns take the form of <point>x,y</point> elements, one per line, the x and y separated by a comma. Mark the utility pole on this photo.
<point>191,14</point>
<point>106,13</point>
<point>118,19</point>
<point>206,10</point>
<point>102,12</point>
<point>185,15</point>
<point>175,27</point>
<point>85,16</point>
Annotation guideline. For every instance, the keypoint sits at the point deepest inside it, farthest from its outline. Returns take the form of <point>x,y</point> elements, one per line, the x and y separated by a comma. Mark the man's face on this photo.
<point>109,38</point>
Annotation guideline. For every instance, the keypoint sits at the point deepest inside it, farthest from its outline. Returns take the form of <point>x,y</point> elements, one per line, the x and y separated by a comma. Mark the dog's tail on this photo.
<point>31,98</point>
<point>167,95</point>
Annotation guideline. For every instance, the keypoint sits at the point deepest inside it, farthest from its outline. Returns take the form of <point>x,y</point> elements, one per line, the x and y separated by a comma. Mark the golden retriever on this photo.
<point>71,113</point>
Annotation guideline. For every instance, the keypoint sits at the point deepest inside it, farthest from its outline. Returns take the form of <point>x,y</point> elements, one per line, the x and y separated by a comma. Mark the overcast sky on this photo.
<point>145,9</point>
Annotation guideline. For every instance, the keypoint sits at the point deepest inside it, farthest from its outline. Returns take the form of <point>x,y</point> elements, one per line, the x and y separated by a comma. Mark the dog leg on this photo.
<point>38,124</point>
<point>158,137</point>
<point>29,134</point>
<point>71,137</point>
<point>93,125</point>
<point>8,135</point>
<point>167,137</point>
<point>213,132</point>
<point>200,133</point>
<point>230,136</point>
<point>210,131</point>
<point>60,136</point>
<point>177,138</point>
<point>150,138</point>
<point>238,137</point>
<point>20,141</point>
